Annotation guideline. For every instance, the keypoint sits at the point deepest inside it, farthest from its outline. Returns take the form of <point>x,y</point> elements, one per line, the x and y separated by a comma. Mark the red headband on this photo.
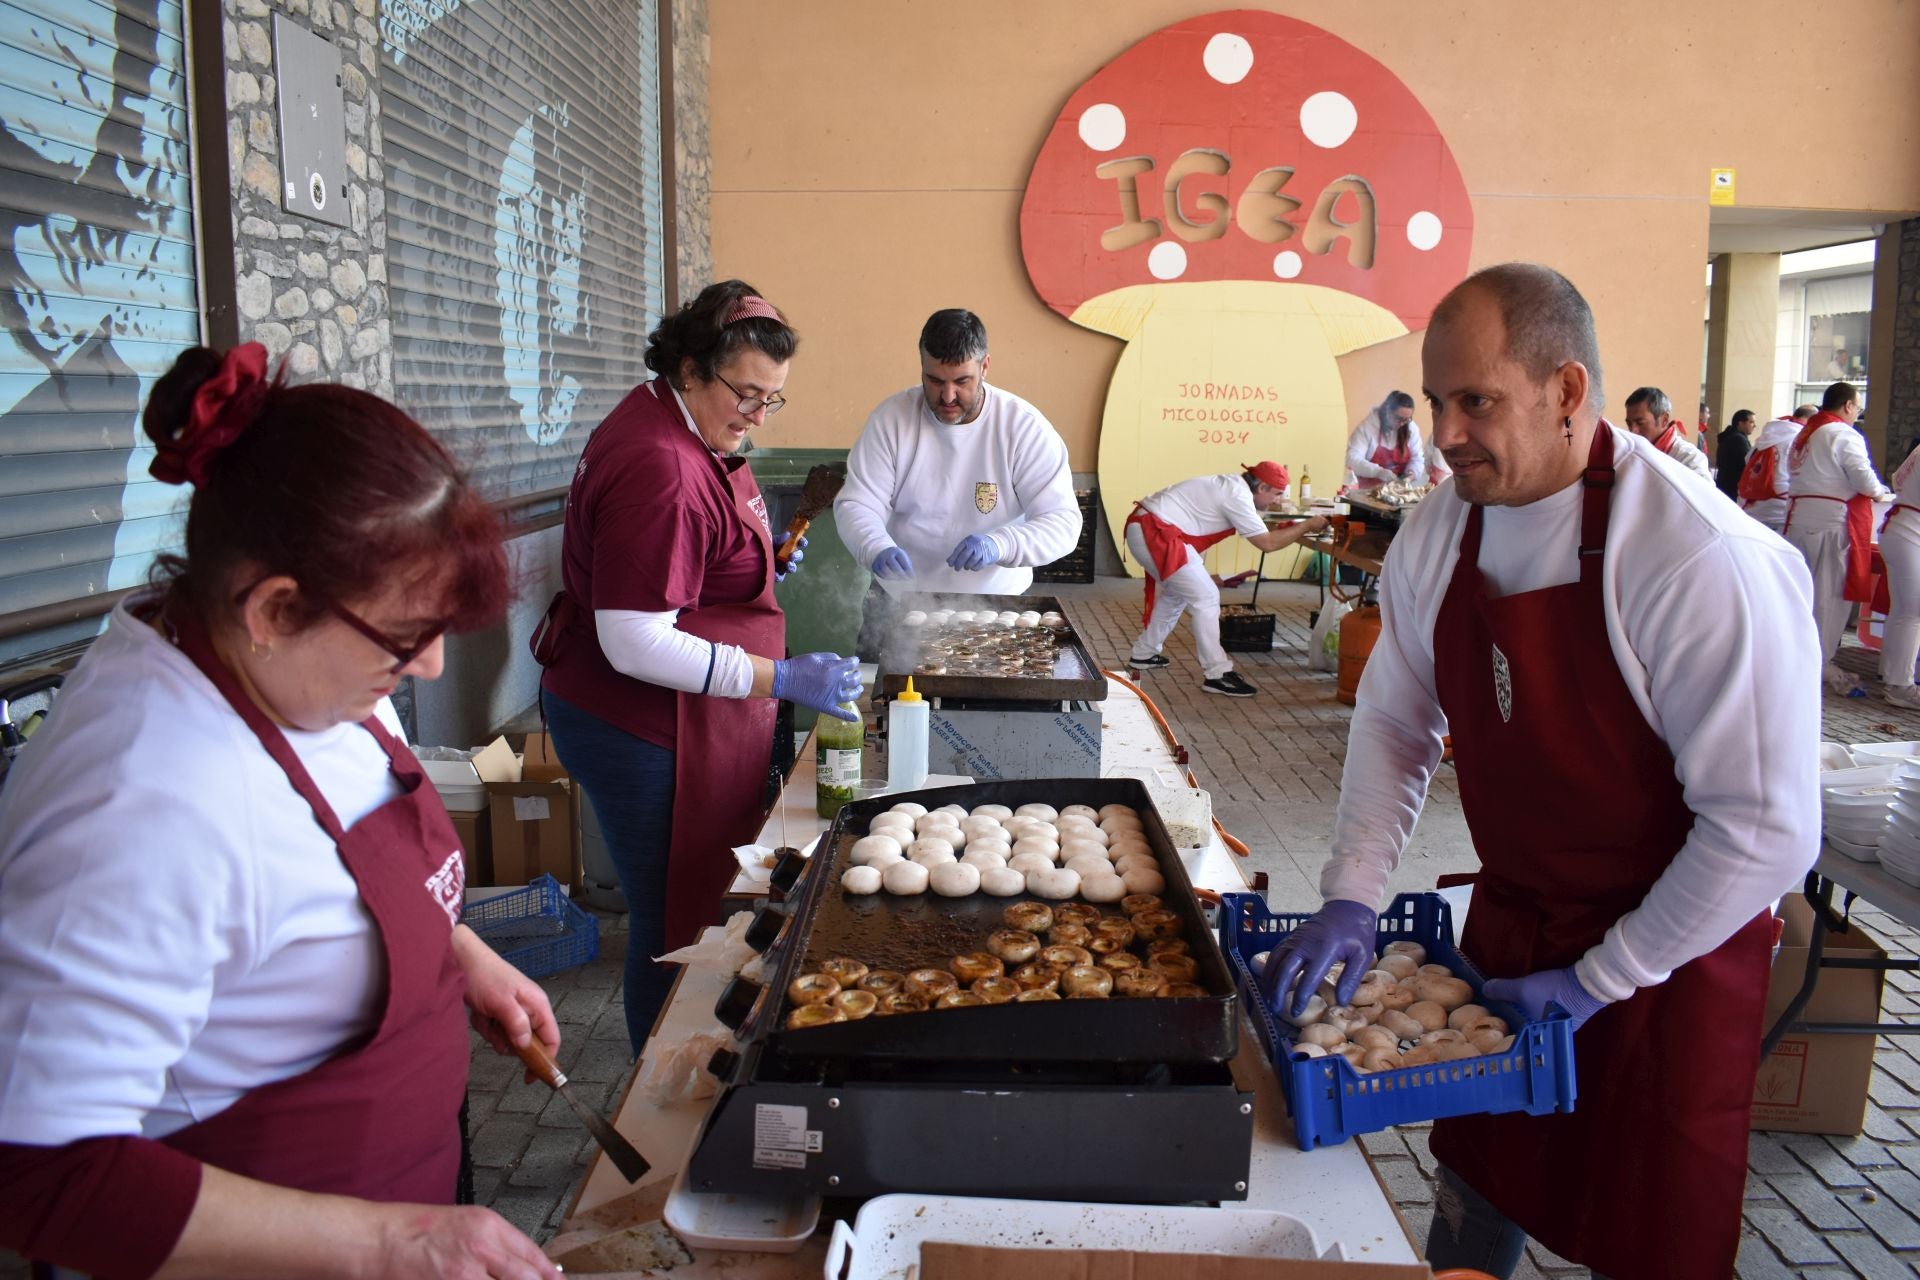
<point>752,305</point>
<point>223,408</point>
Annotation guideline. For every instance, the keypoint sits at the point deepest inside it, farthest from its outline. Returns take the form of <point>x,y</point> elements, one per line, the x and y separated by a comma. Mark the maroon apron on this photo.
<point>1396,458</point>
<point>1575,812</point>
<point>722,746</point>
<point>380,1119</point>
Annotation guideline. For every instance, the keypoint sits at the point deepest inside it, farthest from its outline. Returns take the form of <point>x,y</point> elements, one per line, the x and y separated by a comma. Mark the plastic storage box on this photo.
<point>1331,1102</point>
<point>537,929</point>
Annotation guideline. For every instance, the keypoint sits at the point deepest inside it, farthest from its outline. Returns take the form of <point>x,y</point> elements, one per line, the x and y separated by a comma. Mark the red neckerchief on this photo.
<point>1814,423</point>
<point>1665,442</point>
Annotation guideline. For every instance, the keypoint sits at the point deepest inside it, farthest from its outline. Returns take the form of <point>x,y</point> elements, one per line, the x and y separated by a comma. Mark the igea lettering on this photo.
<point>1262,211</point>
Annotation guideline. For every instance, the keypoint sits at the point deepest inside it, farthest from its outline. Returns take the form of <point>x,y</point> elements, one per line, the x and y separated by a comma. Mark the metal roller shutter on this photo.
<point>99,295</point>
<point>522,151</point>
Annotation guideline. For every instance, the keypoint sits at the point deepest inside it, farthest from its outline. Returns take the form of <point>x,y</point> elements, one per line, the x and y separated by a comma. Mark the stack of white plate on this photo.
<point>1899,848</point>
<point>1854,807</point>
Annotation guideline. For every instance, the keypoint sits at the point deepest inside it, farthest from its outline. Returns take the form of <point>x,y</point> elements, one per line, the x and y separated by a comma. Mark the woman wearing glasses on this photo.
<point>664,649</point>
<point>232,969</point>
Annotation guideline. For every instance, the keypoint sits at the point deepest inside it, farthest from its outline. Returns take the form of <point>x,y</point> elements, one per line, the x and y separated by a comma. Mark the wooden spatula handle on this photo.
<point>796,530</point>
<point>540,1062</point>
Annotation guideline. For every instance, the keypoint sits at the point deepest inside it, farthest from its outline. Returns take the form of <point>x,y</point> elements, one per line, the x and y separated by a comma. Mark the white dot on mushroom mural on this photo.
<point>1228,58</point>
<point>1423,230</point>
<point>1236,248</point>
<point>1103,126</point>
<point>1328,118</point>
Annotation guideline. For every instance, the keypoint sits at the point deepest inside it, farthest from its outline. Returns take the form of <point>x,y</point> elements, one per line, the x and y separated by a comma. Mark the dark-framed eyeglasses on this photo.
<point>772,404</point>
<point>402,654</point>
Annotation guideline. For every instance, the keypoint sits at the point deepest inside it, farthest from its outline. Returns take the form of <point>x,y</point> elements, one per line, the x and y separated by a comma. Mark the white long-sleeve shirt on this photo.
<point>1833,465</point>
<point>177,929</point>
<point>916,483</point>
<point>1368,435</point>
<point>1206,505</point>
<point>1777,435</point>
<point>1690,457</point>
<point>1741,715</point>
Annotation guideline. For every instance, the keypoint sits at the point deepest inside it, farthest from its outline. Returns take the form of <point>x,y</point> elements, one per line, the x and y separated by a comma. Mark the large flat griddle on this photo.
<point>1075,677</point>
<point>885,931</point>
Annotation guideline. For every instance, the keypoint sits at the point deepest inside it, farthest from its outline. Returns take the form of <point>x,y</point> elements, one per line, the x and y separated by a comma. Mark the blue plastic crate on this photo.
<point>538,930</point>
<point>1331,1102</point>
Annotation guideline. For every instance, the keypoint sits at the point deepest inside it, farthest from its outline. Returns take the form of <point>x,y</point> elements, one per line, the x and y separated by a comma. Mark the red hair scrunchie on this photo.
<point>223,408</point>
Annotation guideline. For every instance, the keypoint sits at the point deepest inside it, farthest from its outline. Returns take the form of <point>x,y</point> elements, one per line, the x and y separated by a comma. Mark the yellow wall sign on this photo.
<point>1720,187</point>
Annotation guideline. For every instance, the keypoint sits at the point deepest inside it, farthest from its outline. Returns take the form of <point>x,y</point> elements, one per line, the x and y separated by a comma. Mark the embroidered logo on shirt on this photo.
<point>448,886</point>
<point>1502,685</point>
<point>986,496</point>
<point>759,505</point>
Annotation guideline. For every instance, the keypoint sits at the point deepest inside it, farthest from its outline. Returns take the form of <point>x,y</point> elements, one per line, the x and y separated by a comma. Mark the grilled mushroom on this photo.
<point>996,990</point>
<point>975,965</point>
<point>1086,982</point>
<point>814,1015</point>
<point>812,988</point>
<point>1014,946</point>
<point>1034,917</point>
<point>856,1004</point>
<point>843,970</point>
<point>931,984</point>
<point>884,982</point>
<point>1138,983</point>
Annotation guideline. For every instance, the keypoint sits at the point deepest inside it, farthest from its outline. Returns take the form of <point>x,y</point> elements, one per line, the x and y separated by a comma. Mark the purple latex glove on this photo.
<point>780,572</point>
<point>1340,932</point>
<point>1536,991</point>
<point>974,552</point>
<point>892,563</point>
<point>822,681</point>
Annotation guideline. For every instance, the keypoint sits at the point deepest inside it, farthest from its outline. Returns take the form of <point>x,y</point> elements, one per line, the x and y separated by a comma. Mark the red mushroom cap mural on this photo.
<point>1242,198</point>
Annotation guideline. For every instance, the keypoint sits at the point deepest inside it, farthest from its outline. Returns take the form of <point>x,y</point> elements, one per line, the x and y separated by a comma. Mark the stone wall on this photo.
<point>1902,395</point>
<point>310,291</point>
<point>693,226</point>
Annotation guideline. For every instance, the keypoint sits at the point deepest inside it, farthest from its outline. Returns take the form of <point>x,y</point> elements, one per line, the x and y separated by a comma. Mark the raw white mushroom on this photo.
<point>940,617</point>
<point>1400,966</point>
<point>866,848</point>
<point>954,880</point>
<point>1102,886</point>
<point>1467,1015</point>
<point>1117,849</point>
<point>1428,1014</point>
<point>909,808</point>
<point>1347,1018</point>
<point>1002,882</point>
<point>931,847</point>
<point>915,618</point>
<point>1117,809</point>
<point>1048,849</point>
<point>1080,811</point>
<point>985,859</point>
<point>1029,861</point>
<point>1381,1060</point>
<point>1054,882</point>
<point>861,880</point>
<point>981,829</point>
<point>1323,1034</point>
<point>999,847</point>
<point>1308,1049</point>
<point>1449,993</point>
<point>1372,1037</point>
<point>964,615</point>
<point>1316,1009</point>
<point>958,811</point>
<point>926,820</point>
<point>1044,812</point>
<point>1089,864</point>
<point>938,856</point>
<point>1074,847</point>
<point>1353,1053</point>
<point>1259,961</point>
<point>1434,971</point>
<point>1412,950</point>
<point>1136,862</point>
<point>1401,1025</point>
<point>1009,616</point>
<point>905,878</point>
<point>1029,619</point>
<point>1143,880</point>
<point>998,812</point>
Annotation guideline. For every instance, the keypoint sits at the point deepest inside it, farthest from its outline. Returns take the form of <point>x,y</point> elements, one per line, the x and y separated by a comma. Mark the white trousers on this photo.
<point>1900,641</point>
<point>1825,549</point>
<point>1189,589</point>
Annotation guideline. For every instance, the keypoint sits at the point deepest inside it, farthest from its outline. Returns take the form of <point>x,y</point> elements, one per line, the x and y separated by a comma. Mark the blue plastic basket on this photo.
<point>1331,1102</point>
<point>538,930</point>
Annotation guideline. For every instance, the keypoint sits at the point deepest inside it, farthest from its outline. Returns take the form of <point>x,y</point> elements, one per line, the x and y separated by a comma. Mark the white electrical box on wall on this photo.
<point>313,132</point>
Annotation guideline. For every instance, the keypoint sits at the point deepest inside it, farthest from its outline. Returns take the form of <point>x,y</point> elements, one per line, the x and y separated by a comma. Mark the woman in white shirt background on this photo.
<point>1385,445</point>
<point>232,970</point>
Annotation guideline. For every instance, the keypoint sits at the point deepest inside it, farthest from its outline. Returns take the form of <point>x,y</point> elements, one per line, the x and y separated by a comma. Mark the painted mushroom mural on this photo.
<point>1241,198</point>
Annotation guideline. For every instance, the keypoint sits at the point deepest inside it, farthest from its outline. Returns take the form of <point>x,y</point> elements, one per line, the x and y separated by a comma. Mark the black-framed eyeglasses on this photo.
<point>772,404</point>
<point>402,654</point>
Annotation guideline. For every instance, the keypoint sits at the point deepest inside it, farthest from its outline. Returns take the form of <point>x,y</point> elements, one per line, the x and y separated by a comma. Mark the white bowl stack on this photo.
<point>1855,805</point>
<point>1899,849</point>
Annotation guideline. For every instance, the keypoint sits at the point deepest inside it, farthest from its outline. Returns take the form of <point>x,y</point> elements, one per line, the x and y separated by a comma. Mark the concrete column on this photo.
<point>1742,329</point>
<point>1893,355</point>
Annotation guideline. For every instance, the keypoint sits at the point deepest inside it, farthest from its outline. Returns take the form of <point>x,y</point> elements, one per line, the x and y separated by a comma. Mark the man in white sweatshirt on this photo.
<point>955,485</point>
<point>1769,471</point>
<point>1650,416</point>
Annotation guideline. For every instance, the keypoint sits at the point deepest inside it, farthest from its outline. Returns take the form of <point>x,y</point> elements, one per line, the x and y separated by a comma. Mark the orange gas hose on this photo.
<point>1227,838</point>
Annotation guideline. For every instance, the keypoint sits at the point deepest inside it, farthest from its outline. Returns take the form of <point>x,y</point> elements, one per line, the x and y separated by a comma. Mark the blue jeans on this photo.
<point>630,784</point>
<point>1469,1232</point>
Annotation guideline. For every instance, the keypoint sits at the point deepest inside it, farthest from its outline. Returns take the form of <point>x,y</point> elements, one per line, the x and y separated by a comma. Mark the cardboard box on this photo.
<point>533,826</point>
<point>978,1262</point>
<point>476,848</point>
<point>1818,1083</point>
<point>538,763</point>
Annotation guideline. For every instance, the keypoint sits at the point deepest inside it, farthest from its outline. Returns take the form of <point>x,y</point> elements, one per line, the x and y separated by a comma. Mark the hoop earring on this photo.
<point>1566,424</point>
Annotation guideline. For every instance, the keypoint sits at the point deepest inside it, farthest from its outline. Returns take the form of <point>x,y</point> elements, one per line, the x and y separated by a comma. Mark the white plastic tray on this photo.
<point>748,1224</point>
<point>885,1239</point>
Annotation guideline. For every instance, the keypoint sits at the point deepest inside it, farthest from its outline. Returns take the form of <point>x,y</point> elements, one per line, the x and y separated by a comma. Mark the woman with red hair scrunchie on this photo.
<point>233,983</point>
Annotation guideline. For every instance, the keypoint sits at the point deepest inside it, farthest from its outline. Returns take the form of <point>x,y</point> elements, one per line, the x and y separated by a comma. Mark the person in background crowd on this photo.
<point>1830,497</point>
<point>1730,457</point>
<point>1167,533</point>
<point>1703,432</point>
<point>1632,826</point>
<point>233,972</point>
<point>955,485</point>
<point>1841,365</point>
<point>1763,482</point>
<point>1650,416</point>
<point>1900,549</point>
<point>1385,445</point>
<point>664,649</point>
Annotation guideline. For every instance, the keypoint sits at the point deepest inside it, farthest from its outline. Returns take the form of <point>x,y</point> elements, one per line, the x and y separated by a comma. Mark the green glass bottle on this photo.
<point>836,759</point>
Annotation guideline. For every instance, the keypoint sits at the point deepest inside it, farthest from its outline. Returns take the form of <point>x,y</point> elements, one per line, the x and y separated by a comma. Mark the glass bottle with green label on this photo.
<point>836,759</point>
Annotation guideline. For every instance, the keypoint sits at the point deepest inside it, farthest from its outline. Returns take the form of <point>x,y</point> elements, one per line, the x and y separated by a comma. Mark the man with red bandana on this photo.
<point>1167,532</point>
<point>1650,416</point>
